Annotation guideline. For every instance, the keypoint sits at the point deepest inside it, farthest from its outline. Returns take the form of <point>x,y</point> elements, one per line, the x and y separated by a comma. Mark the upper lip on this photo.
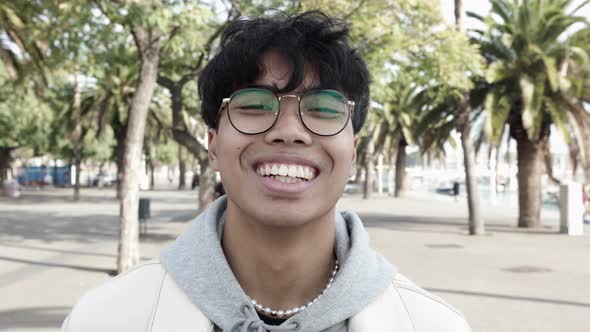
<point>285,159</point>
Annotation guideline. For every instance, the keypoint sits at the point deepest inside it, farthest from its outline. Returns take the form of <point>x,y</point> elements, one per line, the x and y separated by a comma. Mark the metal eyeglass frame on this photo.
<point>225,103</point>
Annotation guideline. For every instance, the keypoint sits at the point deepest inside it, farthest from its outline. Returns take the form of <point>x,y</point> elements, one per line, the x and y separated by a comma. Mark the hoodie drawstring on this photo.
<point>251,322</point>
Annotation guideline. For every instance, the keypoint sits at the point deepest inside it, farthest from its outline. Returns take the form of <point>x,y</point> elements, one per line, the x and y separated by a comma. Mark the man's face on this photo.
<point>244,161</point>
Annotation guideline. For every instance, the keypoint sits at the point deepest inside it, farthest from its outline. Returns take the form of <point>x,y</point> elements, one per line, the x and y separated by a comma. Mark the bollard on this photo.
<point>571,209</point>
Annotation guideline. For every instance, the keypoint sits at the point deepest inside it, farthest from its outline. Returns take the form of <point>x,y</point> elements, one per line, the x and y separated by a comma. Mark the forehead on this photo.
<point>276,72</point>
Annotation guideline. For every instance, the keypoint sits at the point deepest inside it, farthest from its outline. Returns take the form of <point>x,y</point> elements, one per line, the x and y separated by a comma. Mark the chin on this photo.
<point>294,215</point>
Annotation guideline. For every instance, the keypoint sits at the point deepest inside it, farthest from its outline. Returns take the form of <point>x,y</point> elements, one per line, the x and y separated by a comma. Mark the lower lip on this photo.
<point>282,187</point>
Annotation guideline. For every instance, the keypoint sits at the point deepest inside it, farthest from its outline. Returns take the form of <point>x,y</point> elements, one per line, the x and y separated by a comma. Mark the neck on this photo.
<point>281,267</point>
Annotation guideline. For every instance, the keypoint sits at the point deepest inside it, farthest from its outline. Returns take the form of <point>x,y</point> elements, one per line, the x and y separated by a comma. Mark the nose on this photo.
<point>288,128</point>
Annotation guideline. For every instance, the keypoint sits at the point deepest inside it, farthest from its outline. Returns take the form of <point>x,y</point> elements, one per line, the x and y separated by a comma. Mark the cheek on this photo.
<point>342,154</point>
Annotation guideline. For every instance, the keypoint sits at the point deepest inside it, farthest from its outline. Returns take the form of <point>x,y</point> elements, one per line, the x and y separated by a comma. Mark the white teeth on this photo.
<point>283,170</point>
<point>294,172</point>
<point>287,179</point>
<point>260,170</point>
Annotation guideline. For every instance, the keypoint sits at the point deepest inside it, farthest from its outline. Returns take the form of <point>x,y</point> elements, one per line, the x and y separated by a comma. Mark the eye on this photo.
<point>254,107</point>
<point>324,112</point>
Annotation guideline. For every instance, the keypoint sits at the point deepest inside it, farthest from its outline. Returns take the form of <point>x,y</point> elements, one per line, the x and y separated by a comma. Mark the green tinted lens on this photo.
<point>324,112</point>
<point>256,101</point>
<point>253,110</point>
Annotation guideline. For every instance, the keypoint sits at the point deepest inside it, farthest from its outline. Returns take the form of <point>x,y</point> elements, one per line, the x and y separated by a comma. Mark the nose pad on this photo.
<point>288,127</point>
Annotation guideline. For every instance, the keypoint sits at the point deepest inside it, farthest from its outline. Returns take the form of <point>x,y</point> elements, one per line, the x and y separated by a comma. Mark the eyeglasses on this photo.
<point>254,111</point>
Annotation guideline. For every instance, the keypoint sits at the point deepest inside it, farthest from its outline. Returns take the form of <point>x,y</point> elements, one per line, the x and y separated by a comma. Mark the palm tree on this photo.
<point>526,45</point>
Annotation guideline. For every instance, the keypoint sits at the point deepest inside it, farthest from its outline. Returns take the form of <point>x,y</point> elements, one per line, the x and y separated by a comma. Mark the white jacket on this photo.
<point>146,299</point>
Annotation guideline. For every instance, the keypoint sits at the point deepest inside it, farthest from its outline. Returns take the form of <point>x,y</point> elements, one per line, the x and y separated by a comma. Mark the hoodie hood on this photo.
<point>198,265</point>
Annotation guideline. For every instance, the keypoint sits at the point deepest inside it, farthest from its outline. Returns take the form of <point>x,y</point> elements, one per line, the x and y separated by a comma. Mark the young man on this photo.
<point>284,99</point>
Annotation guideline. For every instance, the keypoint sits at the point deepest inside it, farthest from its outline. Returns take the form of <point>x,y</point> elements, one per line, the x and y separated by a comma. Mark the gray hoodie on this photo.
<point>197,263</point>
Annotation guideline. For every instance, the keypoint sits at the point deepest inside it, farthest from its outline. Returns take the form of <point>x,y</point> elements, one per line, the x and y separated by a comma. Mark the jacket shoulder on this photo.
<point>124,303</point>
<point>426,311</point>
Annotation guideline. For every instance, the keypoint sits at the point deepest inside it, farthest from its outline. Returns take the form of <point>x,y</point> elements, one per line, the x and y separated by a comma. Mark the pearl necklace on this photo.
<point>290,312</point>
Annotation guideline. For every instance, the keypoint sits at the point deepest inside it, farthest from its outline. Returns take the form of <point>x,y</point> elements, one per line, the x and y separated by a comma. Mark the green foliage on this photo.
<point>528,48</point>
<point>167,152</point>
<point>24,120</point>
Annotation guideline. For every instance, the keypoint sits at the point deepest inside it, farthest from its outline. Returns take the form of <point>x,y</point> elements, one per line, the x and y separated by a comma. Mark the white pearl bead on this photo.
<point>295,310</point>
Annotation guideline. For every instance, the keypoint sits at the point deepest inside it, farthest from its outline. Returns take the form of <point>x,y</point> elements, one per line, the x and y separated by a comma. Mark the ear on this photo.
<point>212,151</point>
<point>353,162</point>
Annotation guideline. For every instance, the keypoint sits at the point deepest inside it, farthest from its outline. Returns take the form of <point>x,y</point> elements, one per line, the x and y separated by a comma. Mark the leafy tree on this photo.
<point>24,122</point>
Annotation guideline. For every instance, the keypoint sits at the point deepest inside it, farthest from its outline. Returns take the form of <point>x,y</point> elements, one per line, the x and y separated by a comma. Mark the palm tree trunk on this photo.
<point>530,167</point>
<point>400,167</point>
<point>476,225</point>
<point>148,45</point>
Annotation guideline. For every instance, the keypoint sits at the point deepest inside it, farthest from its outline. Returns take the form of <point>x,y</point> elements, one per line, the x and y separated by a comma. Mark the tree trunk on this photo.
<point>574,152</point>
<point>369,166</point>
<point>476,225</point>
<point>77,118</point>
<point>120,131</point>
<point>206,182</point>
<point>391,174</point>
<point>459,15</point>
<point>148,45</point>
<point>497,167</point>
<point>530,167</point>
<point>77,164</point>
<point>181,167</point>
<point>151,162</point>
<point>5,161</point>
<point>400,167</point>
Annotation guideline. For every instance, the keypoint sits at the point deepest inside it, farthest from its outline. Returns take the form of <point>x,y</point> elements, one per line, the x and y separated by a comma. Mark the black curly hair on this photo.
<point>311,37</point>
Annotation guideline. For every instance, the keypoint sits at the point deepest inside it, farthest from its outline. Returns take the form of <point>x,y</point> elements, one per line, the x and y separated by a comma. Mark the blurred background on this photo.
<point>473,174</point>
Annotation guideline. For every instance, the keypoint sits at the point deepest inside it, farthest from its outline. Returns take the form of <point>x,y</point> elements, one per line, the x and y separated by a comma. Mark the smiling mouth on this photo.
<point>287,173</point>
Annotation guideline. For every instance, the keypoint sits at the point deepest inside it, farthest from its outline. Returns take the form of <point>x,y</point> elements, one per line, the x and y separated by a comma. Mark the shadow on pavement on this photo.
<point>412,223</point>
<point>59,265</point>
<point>51,227</point>
<point>36,317</point>
<point>62,251</point>
<point>510,297</point>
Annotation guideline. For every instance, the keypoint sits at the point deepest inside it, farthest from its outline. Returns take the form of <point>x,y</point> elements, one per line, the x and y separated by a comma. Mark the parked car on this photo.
<point>104,179</point>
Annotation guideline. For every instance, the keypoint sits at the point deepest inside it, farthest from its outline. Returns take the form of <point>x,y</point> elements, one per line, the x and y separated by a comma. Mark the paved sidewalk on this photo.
<point>53,249</point>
